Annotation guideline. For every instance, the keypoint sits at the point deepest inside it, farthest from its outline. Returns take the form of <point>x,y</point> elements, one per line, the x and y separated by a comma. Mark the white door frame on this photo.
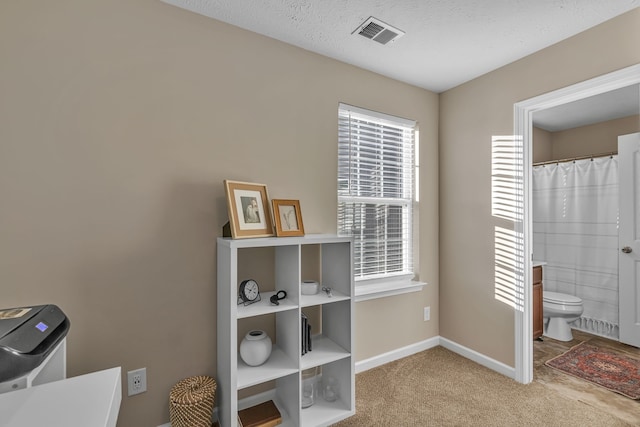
<point>629,328</point>
<point>523,127</point>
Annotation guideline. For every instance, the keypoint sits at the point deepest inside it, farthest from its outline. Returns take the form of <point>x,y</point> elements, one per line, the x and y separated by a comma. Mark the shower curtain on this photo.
<point>575,231</point>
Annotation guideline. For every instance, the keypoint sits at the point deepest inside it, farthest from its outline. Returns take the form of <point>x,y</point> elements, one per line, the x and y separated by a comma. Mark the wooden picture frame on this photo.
<point>288,218</point>
<point>248,206</point>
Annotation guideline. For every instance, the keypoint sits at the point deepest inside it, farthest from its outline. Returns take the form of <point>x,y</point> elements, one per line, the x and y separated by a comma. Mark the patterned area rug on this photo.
<point>606,368</point>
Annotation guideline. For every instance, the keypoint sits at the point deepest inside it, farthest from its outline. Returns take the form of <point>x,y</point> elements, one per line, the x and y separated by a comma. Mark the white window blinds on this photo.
<point>376,173</point>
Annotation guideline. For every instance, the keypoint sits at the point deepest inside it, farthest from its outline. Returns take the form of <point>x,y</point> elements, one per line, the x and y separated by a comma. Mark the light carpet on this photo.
<point>437,387</point>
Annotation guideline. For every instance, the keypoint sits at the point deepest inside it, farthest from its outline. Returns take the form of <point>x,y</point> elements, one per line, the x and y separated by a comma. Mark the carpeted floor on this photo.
<point>440,388</point>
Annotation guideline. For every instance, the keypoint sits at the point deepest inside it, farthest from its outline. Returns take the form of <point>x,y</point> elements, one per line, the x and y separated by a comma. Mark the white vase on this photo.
<point>255,348</point>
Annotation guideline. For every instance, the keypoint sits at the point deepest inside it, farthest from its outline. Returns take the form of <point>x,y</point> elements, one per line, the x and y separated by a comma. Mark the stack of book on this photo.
<point>306,334</point>
<point>263,415</point>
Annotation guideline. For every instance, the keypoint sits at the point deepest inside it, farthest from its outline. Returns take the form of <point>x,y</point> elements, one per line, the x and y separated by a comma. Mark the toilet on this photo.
<point>558,310</point>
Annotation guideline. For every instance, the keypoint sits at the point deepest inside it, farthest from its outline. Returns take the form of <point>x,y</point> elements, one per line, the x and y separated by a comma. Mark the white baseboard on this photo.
<point>479,358</point>
<point>399,353</point>
<point>375,361</point>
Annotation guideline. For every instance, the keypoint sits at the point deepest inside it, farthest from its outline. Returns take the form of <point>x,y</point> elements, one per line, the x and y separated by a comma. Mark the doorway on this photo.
<point>523,127</point>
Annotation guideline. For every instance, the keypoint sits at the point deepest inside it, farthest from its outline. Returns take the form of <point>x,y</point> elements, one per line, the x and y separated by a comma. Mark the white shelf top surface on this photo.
<point>323,351</point>
<point>322,298</point>
<point>87,400</point>
<point>264,306</point>
<point>325,412</point>
<point>309,239</point>
<point>278,365</point>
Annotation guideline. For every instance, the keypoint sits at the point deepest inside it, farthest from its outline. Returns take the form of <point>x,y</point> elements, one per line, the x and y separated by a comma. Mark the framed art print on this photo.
<point>288,218</point>
<point>248,206</point>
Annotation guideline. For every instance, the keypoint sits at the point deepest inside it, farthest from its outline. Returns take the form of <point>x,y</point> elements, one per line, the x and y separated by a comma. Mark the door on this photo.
<point>629,238</point>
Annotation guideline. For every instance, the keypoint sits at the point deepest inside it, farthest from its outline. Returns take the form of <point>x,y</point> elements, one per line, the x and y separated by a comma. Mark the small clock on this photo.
<point>249,292</point>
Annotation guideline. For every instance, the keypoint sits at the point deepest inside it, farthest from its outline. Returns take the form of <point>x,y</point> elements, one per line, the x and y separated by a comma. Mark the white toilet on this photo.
<point>558,311</point>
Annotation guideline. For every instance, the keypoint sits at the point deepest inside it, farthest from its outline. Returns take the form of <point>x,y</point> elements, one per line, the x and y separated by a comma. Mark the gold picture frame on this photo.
<point>288,218</point>
<point>248,206</point>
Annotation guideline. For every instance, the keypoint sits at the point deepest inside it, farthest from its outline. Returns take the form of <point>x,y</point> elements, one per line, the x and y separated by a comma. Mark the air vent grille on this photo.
<point>374,29</point>
<point>371,30</point>
<point>385,36</point>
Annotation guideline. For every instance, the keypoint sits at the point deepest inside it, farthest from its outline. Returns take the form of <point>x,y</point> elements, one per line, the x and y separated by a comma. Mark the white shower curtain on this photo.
<point>575,231</point>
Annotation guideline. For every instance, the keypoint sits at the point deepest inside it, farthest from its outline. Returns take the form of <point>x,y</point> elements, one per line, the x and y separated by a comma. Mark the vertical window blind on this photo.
<point>376,184</point>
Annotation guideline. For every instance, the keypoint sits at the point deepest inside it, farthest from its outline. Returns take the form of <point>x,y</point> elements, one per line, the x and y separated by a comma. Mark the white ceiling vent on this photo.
<point>377,30</point>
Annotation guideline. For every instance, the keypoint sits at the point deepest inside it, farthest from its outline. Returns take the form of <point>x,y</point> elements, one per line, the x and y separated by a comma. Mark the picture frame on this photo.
<point>288,217</point>
<point>248,206</point>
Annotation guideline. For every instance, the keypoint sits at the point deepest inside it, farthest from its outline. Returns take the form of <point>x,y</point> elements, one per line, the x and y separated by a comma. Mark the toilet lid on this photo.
<point>559,298</point>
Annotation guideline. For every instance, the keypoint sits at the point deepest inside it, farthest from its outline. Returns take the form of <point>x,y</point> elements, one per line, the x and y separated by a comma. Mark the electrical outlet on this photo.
<point>427,313</point>
<point>137,381</point>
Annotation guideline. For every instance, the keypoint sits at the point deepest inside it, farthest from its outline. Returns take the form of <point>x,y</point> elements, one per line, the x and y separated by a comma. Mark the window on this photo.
<point>376,188</point>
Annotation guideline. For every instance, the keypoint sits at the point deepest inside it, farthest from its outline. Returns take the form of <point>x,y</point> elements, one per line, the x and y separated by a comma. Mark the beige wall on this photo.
<point>594,139</point>
<point>119,121</point>
<point>541,145</point>
<point>469,115</point>
<point>590,140</point>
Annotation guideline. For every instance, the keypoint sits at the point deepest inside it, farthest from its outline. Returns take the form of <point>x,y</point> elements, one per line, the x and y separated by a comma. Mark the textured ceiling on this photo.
<point>447,42</point>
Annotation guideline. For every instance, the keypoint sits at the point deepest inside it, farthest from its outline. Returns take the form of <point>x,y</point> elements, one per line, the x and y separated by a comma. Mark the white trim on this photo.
<point>363,113</point>
<point>386,289</point>
<point>523,125</point>
<point>606,83</point>
<point>479,358</point>
<point>523,316</point>
<point>382,359</point>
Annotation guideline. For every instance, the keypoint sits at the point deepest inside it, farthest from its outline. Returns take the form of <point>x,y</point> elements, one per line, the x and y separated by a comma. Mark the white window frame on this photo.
<point>383,285</point>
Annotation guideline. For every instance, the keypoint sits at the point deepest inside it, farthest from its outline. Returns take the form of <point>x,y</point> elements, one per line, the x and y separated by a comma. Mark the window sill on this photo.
<point>387,289</point>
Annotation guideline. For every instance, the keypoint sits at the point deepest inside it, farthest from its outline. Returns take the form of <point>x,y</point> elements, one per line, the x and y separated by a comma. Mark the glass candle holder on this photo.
<point>330,389</point>
<point>309,385</point>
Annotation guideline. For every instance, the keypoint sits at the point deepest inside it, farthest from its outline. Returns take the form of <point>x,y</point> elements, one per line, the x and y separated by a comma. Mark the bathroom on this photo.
<point>575,214</point>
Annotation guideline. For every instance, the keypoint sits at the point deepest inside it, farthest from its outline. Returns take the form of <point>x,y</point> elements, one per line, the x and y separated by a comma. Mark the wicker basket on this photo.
<point>191,402</point>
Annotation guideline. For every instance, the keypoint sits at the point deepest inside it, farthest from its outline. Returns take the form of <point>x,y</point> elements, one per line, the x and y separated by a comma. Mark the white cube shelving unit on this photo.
<point>332,348</point>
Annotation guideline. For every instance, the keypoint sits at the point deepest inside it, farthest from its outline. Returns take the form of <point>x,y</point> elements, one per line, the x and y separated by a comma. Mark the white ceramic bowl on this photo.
<point>309,287</point>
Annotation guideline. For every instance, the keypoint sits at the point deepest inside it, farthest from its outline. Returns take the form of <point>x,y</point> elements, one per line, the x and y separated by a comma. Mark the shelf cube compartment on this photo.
<point>324,412</point>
